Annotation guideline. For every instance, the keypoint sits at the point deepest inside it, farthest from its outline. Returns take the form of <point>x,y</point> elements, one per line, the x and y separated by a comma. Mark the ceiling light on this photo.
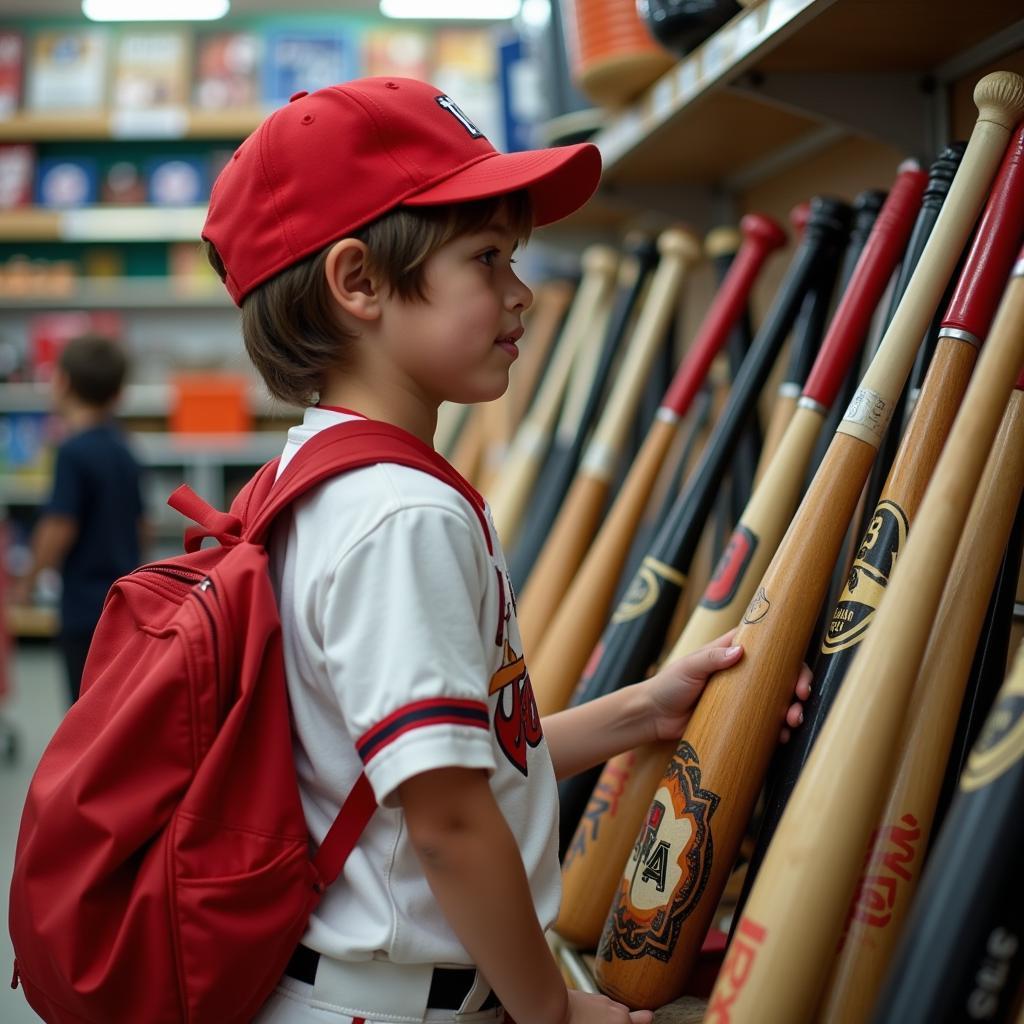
<point>155,10</point>
<point>451,10</point>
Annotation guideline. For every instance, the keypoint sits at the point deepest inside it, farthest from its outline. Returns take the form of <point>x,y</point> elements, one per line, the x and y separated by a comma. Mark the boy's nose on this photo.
<point>521,296</point>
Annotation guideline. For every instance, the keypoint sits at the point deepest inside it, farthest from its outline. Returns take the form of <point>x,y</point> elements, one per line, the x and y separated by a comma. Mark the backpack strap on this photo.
<point>352,445</point>
<point>345,830</point>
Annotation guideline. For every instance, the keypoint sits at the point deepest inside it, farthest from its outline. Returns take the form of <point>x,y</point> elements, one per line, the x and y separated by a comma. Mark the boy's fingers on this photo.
<point>795,715</point>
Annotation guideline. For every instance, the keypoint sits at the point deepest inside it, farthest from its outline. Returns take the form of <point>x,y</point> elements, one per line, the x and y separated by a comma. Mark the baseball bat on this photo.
<point>965,324</point>
<point>580,514</point>
<point>988,668</point>
<point>633,637</point>
<point>602,841</point>
<point>961,956</point>
<point>549,592</point>
<point>797,911</point>
<point>807,335</point>
<point>580,410</point>
<point>650,938</point>
<point>526,453</point>
<point>895,853</point>
<point>545,317</point>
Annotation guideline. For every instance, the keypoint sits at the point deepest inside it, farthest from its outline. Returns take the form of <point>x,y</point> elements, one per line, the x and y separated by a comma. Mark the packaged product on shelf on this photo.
<point>67,70</point>
<point>123,184</point>
<point>67,181</point>
<point>306,59</point>
<point>11,51</point>
<point>17,172</point>
<point>176,181</point>
<point>466,65</point>
<point>151,71</point>
<point>397,51</point>
<point>227,70</point>
<point>48,333</point>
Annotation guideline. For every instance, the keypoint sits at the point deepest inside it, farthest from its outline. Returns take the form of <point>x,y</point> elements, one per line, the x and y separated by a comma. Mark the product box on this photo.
<point>123,184</point>
<point>17,174</point>
<point>48,333</point>
<point>176,181</point>
<point>466,68</point>
<point>228,70</point>
<point>151,71</point>
<point>396,51</point>
<point>67,181</point>
<point>11,56</point>
<point>67,70</point>
<point>305,60</point>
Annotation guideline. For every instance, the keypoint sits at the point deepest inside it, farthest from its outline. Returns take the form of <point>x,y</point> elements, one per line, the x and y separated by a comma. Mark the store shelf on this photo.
<point>137,400</point>
<point>103,224</point>
<point>162,449</point>
<point>142,125</point>
<point>127,293</point>
<point>789,76</point>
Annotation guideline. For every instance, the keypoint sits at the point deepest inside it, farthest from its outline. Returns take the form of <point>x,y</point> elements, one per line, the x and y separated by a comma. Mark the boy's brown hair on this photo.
<point>289,326</point>
<point>95,367</point>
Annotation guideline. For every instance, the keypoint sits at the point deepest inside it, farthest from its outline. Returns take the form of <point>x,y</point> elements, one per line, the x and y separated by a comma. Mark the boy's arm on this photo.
<point>52,539</point>
<point>472,863</point>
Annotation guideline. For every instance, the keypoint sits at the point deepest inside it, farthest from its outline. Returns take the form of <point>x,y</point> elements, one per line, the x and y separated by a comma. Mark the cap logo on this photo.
<point>447,103</point>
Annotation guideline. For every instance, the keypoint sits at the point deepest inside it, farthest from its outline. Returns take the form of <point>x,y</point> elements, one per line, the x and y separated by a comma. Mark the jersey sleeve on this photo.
<point>69,485</point>
<point>404,641</point>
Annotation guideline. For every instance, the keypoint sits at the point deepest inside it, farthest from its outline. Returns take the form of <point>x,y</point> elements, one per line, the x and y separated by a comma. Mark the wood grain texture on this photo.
<point>894,860</point>
<point>797,908</point>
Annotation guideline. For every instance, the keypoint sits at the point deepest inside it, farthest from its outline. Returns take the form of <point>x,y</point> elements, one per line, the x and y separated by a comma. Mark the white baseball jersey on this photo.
<point>403,655</point>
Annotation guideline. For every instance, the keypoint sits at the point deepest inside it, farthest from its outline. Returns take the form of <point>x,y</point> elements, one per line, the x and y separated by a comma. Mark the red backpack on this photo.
<point>163,871</point>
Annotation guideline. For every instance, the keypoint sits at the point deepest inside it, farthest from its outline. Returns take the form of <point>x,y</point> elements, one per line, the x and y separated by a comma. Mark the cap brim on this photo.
<point>559,180</point>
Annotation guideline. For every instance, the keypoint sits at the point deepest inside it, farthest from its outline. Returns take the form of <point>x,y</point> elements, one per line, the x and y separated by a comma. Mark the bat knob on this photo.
<point>680,242</point>
<point>765,229</point>
<point>723,241</point>
<point>799,216</point>
<point>599,259</point>
<point>999,98</point>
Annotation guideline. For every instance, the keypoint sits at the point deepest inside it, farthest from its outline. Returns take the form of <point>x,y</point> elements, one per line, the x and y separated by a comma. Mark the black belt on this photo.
<point>448,987</point>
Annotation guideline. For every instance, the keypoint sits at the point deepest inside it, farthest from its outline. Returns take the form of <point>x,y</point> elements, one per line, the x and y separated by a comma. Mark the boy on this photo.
<point>368,231</point>
<point>89,529</point>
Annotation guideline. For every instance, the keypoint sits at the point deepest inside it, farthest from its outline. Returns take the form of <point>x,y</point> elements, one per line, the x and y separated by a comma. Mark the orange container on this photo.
<point>210,403</point>
<point>612,55</point>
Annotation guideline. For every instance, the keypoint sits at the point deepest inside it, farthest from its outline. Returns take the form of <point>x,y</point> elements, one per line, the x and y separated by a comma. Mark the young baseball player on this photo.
<point>368,233</point>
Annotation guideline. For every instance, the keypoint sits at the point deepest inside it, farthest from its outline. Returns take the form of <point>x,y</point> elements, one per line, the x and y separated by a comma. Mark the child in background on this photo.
<point>89,529</point>
<point>368,233</point>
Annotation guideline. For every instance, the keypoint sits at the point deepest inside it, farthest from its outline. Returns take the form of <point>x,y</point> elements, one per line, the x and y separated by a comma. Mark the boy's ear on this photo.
<point>349,279</point>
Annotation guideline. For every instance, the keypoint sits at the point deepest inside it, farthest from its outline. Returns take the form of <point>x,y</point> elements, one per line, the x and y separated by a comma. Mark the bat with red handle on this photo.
<point>699,816</point>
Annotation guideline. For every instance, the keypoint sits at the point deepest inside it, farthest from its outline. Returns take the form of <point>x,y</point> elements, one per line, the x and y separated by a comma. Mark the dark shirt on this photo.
<point>97,483</point>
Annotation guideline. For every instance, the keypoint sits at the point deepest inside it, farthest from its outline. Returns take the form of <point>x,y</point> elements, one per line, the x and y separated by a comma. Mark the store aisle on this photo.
<point>32,710</point>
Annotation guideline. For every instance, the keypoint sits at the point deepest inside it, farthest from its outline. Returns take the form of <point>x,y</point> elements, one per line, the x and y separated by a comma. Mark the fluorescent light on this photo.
<point>155,10</point>
<point>451,10</point>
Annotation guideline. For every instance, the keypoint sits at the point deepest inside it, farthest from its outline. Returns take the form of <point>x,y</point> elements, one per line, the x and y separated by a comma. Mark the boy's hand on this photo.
<point>594,1009</point>
<point>674,691</point>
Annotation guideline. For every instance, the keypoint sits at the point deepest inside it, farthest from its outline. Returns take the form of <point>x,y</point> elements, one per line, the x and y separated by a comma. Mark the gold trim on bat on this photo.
<point>1001,744</point>
<point>643,592</point>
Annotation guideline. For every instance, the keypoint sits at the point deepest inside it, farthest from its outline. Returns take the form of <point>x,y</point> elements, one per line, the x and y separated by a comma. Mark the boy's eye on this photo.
<point>488,258</point>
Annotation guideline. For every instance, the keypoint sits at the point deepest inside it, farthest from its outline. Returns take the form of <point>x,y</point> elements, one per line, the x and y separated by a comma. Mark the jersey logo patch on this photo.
<point>516,718</point>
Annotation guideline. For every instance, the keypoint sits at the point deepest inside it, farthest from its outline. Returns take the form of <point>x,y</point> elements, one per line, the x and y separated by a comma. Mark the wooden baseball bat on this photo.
<point>991,658</point>
<point>636,631</point>
<point>580,514</point>
<point>965,324</point>
<point>896,852</point>
<point>651,938</point>
<point>961,957</point>
<point>526,453</point>
<point>581,408</point>
<point>798,911</point>
<point>549,585</point>
<point>545,317</point>
<point>600,847</point>
<point>807,336</point>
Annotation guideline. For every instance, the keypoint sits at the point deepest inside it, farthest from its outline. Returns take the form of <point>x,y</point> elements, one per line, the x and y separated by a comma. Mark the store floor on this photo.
<point>32,709</point>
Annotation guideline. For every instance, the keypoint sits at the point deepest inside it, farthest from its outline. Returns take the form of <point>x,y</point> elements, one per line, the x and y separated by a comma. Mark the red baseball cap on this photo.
<point>332,161</point>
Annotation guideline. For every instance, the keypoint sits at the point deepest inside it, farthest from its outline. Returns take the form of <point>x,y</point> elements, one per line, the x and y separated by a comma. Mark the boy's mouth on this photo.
<point>508,342</point>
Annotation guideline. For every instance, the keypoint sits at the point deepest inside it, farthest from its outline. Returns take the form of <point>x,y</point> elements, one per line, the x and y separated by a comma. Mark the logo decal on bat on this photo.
<point>732,566</point>
<point>758,607</point>
<point>645,589</point>
<point>868,578</point>
<point>890,857</point>
<point>668,869</point>
<point>1001,743</point>
<point>735,970</point>
<point>604,802</point>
